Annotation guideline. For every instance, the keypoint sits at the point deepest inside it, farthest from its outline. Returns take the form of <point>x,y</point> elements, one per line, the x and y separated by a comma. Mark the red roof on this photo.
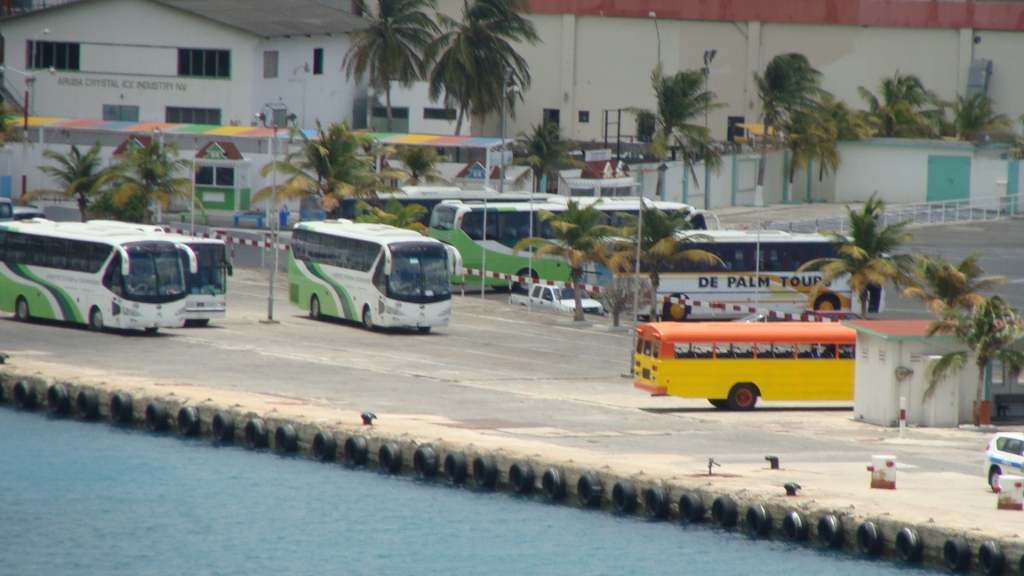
<point>133,140</point>
<point>228,151</point>
<point>892,329</point>
<point>601,169</point>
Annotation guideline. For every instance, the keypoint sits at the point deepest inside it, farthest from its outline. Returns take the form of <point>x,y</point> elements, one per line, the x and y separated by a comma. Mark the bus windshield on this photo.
<point>419,273</point>
<point>155,273</point>
<point>210,278</point>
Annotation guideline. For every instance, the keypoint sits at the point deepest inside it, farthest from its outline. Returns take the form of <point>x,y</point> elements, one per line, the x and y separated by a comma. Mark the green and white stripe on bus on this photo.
<point>307,279</point>
<point>44,298</point>
<point>500,260</point>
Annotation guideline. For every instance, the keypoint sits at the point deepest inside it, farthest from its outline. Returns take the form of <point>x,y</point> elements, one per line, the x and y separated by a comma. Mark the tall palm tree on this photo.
<point>152,173</point>
<point>421,164</point>
<point>329,167</point>
<point>578,237</point>
<point>662,243</point>
<point>868,256</point>
<point>81,177</point>
<point>475,54</point>
<point>812,133</point>
<point>393,48</point>
<point>546,154</point>
<point>974,115</point>
<point>9,128</point>
<point>904,108</point>
<point>945,286</point>
<point>393,213</point>
<point>988,331</point>
<point>789,84</point>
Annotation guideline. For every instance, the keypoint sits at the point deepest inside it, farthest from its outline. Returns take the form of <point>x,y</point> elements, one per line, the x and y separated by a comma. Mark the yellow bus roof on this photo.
<point>790,332</point>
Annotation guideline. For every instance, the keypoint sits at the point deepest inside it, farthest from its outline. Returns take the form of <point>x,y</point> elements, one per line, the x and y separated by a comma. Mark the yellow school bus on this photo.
<point>733,364</point>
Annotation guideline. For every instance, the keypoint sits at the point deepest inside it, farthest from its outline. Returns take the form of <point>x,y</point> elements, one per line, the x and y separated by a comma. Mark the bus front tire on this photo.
<point>368,318</point>
<point>96,320</point>
<point>423,329</point>
<point>742,397</point>
<point>720,404</point>
<point>21,310</point>
<point>826,302</point>
<point>151,330</point>
<point>675,311</point>
<point>314,307</point>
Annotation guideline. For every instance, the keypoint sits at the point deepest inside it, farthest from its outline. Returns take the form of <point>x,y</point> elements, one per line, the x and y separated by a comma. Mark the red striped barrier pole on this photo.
<point>903,416</point>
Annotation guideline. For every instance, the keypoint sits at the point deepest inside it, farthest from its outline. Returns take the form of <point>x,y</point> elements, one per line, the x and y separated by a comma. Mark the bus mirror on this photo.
<point>193,262</point>
<point>125,265</point>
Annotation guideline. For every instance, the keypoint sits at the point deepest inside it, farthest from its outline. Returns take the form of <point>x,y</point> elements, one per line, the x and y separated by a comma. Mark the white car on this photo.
<point>560,299</point>
<point>1004,455</point>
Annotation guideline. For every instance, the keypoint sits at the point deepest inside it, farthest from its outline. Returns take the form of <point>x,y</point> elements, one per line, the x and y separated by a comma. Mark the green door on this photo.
<point>949,178</point>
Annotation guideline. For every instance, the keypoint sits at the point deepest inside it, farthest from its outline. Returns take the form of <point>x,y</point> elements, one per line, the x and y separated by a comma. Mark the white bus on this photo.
<point>370,273</point>
<point>431,196</point>
<point>85,274</point>
<point>206,289</point>
<point>771,282</point>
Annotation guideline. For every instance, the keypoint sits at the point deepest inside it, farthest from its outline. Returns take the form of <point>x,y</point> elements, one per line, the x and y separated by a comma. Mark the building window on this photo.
<point>175,115</point>
<point>318,61</point>
<point>204,63</point>
<point>396,113</point>
<point>120,113</point>
<point>439,114</point>
<point>270,64</point>
<point>551,116</point>
<point>584,116</point>
<point>40,55</point>
<point>220,176</point>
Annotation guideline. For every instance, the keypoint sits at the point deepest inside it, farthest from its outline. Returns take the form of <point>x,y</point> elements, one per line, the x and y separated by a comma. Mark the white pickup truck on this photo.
<point>560,299</point>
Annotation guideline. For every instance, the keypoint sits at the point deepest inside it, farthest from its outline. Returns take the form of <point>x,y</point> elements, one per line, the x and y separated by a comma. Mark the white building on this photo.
<point>184,61</point>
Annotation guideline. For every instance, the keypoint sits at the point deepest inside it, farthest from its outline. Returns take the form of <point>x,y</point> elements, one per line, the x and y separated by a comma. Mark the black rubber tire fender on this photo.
<point>223,428</point>
<point>286,439</point>
<point>325,448</point>
<point>656,502</point>
<point>795,526</point>
<point>759,521</point>
<point>956,554</point>
<point>552,484</point>
<point>57,399</point>
<point>424,462</point>
<point>390,457</point>
<point>357,452</point>
<point>25,395</point>
<point>624,498</point>
<point>87,404</point>
<point>908,545</point>
<point>830,531</point>
<point>485,472</point>
<point>156,417</point>
<point>691,508</point>
<point>188,421</point>
<point>724,512</point>
<point>589,491</point>
<point>121,410</point>
<point>455,470</point>
<point>991,560</point>
<point>521,478</point>
<point>869,539</point>
<point>256,433</point>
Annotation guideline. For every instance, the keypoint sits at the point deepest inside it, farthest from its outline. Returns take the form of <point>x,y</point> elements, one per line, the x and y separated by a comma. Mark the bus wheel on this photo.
<point>826,302</point>
<point>423,329</point>
<point>201,323</point>
<point>368,318</point>
<point>675,311</point>
<point>152,330</point>
<point>720,404</point>
<point>96,320</point>
<point>314,307</point>
<point>21,310</point>
<point>742,397</point>
<point>519,287</point>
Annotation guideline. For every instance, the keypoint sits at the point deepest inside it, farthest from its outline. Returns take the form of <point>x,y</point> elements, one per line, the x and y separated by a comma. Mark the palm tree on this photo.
<point>578,237</point>
<point>329,167</point>
<point>474,56</point>
<point>812,133</point>
<point>546,154</point>
<point>974,115</point>
<point>950,287</point>
<point>80,176</point>
<point>393,48</point>
<point>868,256</point>
<point>394,214</point>
<point>9,130</point>
<point>420,162</point>
<point>152,173</point>
<point>662,243</point>
<point>902,111</point>
<point>989,331</point>
<point>789,84</point>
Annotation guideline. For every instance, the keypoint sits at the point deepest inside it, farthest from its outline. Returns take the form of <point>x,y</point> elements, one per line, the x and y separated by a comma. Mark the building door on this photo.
<point>949,178</point>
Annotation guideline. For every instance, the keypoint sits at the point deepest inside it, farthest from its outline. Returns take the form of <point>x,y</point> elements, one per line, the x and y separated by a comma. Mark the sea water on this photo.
<point>91,498</point>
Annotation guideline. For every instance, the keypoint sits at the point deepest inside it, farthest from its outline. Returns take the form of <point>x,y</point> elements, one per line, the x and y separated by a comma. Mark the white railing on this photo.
<point>922,214</point>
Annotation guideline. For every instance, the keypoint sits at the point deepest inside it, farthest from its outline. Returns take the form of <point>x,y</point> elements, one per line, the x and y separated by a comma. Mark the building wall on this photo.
<point>417,98</point>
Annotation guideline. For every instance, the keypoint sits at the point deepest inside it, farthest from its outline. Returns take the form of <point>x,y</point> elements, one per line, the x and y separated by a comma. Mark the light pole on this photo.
<point>709,56</point>
<point>636,282</point>
<point>278,116</point>
<point>653,15</point>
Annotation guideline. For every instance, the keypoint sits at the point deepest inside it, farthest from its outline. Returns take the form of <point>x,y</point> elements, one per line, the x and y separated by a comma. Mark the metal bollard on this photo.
<point>1011,492</point>
<point>883,472</point>
<point>903,416</point>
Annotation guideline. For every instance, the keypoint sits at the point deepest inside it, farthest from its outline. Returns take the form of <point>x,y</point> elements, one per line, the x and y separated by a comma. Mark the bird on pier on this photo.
<point>368,418</point>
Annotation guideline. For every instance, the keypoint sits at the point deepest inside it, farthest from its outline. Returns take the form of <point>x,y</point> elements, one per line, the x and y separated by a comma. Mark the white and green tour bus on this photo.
<point>370,273</point>
<point>94,275</point>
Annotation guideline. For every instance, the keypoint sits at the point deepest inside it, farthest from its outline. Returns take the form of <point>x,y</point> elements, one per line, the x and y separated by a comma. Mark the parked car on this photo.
<point>1003,455</point>
<point>27,212</point>
<point>560,299</point>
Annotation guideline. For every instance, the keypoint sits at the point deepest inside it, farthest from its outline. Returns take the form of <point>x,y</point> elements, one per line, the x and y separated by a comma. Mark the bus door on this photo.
<point>646,353</point>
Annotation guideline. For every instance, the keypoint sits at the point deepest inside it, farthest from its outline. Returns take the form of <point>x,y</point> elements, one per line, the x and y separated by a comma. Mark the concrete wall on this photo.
<point>416,98</point>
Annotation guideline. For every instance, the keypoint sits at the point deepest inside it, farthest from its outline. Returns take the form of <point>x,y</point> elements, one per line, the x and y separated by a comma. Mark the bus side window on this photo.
<point>647,347</point>
<point>657,350</point>
<point>379,279</point>
<point>827,350</point>
<point>112,279</point>
<point>805,351</point>
<point>703,350</point>
<point>639,341</point>
<point>741,351</point>
<point>784,351</point>
<point>682,350</point>
<point>847,351</point>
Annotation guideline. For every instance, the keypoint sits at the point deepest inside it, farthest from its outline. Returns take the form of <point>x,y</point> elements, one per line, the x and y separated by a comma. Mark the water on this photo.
<point>78,498</point>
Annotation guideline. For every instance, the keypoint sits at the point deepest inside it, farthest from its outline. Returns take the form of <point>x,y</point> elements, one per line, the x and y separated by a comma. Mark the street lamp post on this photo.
<point>278,116</point>
<point>709,56</point>
<point>657,31</point>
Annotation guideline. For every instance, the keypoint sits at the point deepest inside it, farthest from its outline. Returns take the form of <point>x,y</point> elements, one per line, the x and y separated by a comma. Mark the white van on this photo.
<point>6,209</point>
